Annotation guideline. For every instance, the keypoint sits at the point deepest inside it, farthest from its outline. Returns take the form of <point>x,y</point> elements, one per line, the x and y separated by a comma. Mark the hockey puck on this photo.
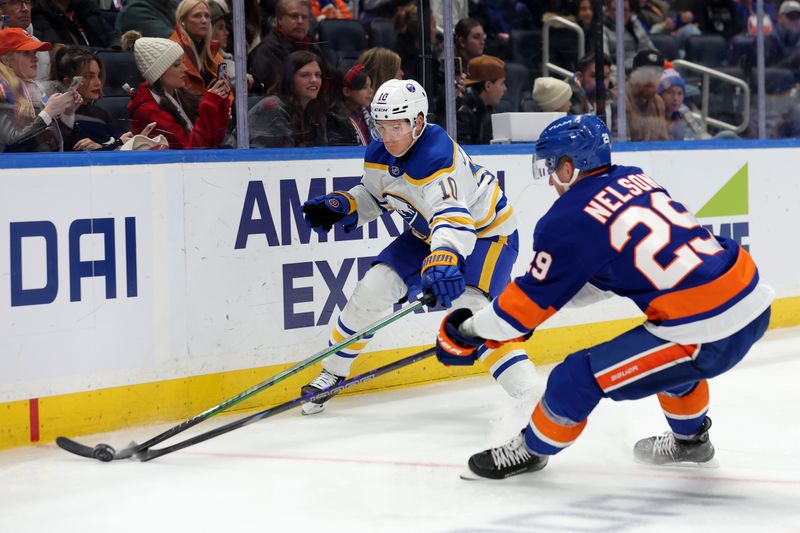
<point>103,452</point>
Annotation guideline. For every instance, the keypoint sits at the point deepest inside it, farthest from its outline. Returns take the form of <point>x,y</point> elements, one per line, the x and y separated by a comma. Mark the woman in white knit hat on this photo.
<point>184,120</point>
<point>551,94</point>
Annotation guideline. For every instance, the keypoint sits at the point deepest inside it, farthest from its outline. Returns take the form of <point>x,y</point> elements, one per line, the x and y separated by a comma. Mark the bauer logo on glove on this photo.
<point>454,347</point>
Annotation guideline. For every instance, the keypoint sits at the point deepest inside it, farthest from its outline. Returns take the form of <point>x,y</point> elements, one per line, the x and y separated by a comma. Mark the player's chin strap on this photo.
<point>568,184</point>
<point>414,137</point>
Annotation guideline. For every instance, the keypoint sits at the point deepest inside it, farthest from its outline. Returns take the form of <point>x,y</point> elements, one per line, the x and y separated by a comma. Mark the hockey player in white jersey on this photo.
<point>461,241</point>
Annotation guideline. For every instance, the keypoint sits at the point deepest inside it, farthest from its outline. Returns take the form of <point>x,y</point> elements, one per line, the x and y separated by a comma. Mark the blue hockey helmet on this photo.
<point>585,139</point>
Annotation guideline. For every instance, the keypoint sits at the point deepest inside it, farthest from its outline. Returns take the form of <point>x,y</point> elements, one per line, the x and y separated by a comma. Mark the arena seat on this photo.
<point>518,82</point>
<point>342,39</point>
<point>117,107</point>
<point>526,50</point>
<point>707,50</point>
<point>120,69</point>
<point>666,44</point>
<point>382,33</point>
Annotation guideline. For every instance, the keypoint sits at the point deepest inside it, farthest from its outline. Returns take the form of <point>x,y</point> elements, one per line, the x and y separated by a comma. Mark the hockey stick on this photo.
<point>151,453</point>
<point>105,453</point>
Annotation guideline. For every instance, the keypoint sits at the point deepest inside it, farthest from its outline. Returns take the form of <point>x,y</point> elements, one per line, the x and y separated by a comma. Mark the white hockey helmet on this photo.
<point>399,99</point>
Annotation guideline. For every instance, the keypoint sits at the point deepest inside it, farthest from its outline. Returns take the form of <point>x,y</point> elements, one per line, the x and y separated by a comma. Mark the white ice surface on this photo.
<point>391,462</point>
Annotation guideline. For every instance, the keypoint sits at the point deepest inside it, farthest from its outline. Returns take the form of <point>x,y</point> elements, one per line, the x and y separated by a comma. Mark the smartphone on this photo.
<point>76,81</point>
<point>459,67</point>
<point>3,21</point>
<point>222,71</point>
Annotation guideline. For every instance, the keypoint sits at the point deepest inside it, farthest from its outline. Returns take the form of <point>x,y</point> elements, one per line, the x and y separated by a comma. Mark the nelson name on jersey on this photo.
<point>610,198</point>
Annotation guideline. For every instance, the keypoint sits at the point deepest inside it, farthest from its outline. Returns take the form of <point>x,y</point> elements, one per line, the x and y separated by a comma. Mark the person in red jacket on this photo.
<point>184,119</point>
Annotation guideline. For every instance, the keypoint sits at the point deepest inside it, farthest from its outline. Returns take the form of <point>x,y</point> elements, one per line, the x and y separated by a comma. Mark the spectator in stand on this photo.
<point>635,38</point>
<point>18,15</point>
<point>72,22</point>
<point>409,41</point>
<point>201,55</point>
<point>295,116</point>
<point>406,22</point>
<point>644,107</point>
<point>718,17</point>
<point>290,35</point>
<point>252,22</point>
<point>486,85</point>
<point>220,31</point>
<point>94,128</point>
<point>28,124</point>
<point>746,10</point>
<point>563,41</point>
<point>552,95</point>
<point>151,18</point>
<point>584,86</point>
<point>498,17</point>
<point>470,39</point>
<point>372,9</point>
<point>350,119</point>
<point>330,9</point>
<point>381,64</point>
<point>787,31</point>
<point>656,15</point>
<point>682,124</point>
<point>184,118</point>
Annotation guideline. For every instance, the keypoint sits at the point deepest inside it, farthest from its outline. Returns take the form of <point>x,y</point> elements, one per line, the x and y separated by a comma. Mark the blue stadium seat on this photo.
<point>382,33</point>
<point>666,44</point>
<point>518,83</point>
<point>117,107</point>
<point>342,40</point>
<point>526,50</point>
<point>743,49</point>
<point>120,69</point>
<point>707,50</point>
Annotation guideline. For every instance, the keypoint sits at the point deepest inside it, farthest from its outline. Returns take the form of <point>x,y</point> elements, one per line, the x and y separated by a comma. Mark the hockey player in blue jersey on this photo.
<point>614,230</point>
<point>460,243</point>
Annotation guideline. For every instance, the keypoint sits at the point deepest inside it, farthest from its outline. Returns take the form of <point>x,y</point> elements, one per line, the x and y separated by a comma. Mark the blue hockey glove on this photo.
<point>442,275</point>
<point>322,212</point>
<point>453,348</point>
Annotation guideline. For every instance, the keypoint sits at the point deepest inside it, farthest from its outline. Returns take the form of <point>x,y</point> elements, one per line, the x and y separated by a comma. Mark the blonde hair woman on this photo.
<point>201,54</point>
<point>29,124</point>
<point>381,64</point>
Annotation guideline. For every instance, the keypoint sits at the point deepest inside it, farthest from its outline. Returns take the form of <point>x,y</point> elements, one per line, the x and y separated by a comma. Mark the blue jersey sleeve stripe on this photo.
<point>451,210</point>
<point>448,226</point>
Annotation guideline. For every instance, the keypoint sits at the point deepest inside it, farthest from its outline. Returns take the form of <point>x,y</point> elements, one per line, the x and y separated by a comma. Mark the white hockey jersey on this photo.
<point>447,200</point>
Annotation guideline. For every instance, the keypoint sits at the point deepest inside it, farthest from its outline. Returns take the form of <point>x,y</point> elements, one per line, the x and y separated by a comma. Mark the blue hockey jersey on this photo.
<point>620,231</point>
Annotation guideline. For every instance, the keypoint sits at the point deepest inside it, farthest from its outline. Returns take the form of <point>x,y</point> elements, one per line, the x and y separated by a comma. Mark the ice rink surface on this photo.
<point>391,462</point>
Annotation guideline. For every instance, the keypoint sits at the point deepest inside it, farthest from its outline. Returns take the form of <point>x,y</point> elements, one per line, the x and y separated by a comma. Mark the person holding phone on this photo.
<point>30,122</point>
<point>81,70</point>
<point>186,120</point>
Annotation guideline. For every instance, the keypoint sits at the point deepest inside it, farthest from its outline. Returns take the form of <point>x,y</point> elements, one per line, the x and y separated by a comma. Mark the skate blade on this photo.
<point>711,463</point>
<point>469,475</point>
<point>311,408</point>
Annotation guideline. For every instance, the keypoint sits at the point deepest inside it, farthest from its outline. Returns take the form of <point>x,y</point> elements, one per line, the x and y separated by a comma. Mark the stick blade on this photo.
<point>74,447</point>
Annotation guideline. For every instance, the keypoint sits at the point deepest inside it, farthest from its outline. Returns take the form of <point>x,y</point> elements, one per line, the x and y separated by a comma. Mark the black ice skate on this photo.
<point>325,380</point>
<point>666,449</point>
<point>504,461</point>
